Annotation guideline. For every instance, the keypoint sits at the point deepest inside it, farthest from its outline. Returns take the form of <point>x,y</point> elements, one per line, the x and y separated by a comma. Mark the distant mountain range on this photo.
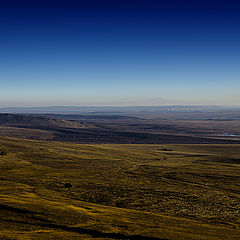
<point>114,110</point>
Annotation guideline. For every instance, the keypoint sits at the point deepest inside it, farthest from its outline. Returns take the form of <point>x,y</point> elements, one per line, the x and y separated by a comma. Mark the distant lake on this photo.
<point>228,135</point>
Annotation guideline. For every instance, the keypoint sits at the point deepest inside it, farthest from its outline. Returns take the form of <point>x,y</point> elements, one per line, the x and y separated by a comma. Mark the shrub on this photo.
<point>68,185</point>
<point>2,153</point>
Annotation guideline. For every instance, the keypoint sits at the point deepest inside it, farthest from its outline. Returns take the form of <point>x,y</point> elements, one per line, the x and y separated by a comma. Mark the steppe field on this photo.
<point>54,190</point>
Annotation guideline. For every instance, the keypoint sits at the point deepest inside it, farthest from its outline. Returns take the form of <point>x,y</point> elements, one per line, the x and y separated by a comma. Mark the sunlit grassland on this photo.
<point>53,190</point>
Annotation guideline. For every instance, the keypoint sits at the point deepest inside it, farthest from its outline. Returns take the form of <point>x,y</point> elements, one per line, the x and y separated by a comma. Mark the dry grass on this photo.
<point>52,190</point>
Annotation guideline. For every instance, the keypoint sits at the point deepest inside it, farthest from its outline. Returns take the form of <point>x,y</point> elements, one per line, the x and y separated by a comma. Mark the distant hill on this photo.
<point>88,130</point>
<point>31,121</point>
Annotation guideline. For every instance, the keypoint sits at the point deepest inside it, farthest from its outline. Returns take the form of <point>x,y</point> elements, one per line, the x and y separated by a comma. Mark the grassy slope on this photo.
<point>118,191</point>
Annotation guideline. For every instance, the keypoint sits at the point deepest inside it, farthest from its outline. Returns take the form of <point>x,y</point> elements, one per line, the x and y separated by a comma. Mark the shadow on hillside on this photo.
<point>91,232</point>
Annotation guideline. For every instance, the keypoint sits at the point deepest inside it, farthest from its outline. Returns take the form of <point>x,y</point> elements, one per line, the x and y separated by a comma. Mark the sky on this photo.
<point>119,52</point>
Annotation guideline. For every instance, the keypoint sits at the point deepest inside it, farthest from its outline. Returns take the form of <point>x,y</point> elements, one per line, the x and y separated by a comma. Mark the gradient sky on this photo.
<point>119,52</point>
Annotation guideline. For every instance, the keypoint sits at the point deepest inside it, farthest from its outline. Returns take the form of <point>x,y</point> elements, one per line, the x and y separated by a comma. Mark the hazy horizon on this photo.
<point>120,106</point>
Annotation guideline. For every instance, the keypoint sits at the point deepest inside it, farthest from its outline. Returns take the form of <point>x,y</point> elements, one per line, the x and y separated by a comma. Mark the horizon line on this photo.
<point>124,106</point>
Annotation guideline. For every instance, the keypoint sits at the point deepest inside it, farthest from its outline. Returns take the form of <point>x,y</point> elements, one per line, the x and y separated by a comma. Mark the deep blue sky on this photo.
<point>119,52</point>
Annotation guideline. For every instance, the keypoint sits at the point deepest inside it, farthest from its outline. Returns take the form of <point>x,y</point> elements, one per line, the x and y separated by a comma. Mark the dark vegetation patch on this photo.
<point>164,149</point>
<point>67,185</point>
<point>3,153</point>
